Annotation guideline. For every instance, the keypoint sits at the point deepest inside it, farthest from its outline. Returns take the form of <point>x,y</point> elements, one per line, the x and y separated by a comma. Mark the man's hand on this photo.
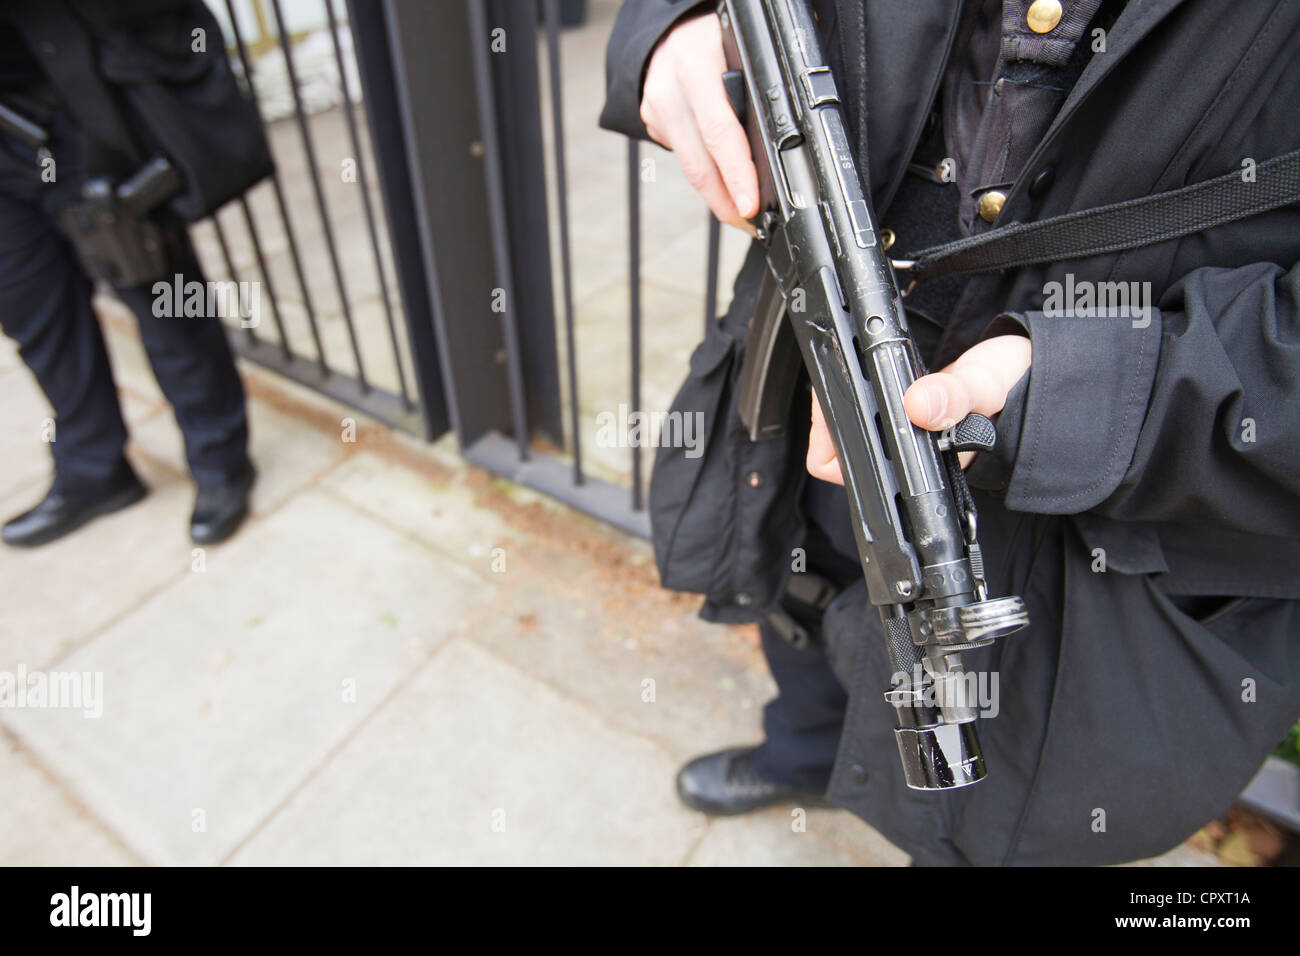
<point>685,108</point>
<point>977,382</point>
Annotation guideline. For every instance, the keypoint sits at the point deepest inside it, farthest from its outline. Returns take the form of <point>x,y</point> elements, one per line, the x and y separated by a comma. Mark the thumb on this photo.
<point>977,382</point>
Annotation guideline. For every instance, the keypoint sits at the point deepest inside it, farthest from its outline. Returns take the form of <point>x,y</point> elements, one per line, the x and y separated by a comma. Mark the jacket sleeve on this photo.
<point>1189,411</point>
<point>640,25</point>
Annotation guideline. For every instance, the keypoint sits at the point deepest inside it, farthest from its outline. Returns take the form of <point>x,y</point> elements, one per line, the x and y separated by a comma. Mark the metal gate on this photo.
<point>475,232</point>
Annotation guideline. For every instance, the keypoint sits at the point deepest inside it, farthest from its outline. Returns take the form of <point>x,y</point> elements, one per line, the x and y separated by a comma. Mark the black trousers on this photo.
<point>45,307</point>
<point>802,724</point>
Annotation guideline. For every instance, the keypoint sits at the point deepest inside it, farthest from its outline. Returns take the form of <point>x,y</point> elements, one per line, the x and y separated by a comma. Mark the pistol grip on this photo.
<point>733,81</point>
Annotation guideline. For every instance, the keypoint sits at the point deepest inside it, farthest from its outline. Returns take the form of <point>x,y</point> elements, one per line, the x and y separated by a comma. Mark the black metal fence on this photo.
<point>467,216</point>
<point>302,353</point>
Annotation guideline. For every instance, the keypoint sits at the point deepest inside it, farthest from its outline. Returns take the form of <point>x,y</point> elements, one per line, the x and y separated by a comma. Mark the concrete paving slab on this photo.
<point>288,455</point>
<point>475,762</point>
<point>767,838</point>
<point>578,605</point>
<point>61,594</point>
<point>595,266</point>
<point>9,357</point>
<point>443,516</point>
<point>223,692</point>
<point>42,826</point>
<point>23,495</point>
<point>592,621</point>
<point>683,263</point>
<point>23,450</point>
<point>854,838</point>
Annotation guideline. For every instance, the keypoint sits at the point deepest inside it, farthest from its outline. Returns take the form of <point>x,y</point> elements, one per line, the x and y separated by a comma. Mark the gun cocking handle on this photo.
<point>975,432</point>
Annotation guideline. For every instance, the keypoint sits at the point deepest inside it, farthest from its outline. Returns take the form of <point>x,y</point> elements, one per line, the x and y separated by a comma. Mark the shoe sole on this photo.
<point>123,499</point>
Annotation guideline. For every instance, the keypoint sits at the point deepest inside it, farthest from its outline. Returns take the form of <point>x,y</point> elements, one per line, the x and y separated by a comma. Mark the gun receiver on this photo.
<point>913,518</point>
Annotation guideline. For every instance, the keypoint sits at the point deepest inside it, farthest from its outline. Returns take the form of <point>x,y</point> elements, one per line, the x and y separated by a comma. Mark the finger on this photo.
<point>715,195</point>
<point>698,168</point>
<point>942,399</point>
<point>977,382</point>
<point>822,461</point>
<point>722,135</point>
<point>700,76</point>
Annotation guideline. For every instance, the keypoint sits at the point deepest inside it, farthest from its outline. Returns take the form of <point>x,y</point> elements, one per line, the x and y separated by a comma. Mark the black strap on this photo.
<point>810,590</point>
<point>1121,225</point>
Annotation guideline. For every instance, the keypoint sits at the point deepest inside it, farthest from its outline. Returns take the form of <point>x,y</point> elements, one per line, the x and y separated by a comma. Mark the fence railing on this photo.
<point>295,341</point>
<point>476,212</point>
<point>521,460</point>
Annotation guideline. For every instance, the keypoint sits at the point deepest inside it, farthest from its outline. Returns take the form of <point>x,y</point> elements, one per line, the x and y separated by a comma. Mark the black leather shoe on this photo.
<point>219,510</point>
<point>59,514</point>
<point>724,784</point>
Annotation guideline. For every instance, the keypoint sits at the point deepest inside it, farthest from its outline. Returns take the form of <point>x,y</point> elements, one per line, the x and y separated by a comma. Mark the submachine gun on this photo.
<point>829,302</point>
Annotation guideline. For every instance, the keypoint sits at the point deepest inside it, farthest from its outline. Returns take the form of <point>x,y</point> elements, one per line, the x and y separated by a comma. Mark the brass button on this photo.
<point>991,204</point>
<point>886,240</point>
<point>1044,15</point>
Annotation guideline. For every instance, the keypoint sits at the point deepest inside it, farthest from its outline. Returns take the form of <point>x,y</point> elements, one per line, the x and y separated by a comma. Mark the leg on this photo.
<point>45,307</point>
<point>801,725</point>
<point>191,360</point>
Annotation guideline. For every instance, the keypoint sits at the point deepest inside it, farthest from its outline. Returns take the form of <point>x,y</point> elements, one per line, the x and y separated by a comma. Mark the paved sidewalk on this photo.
<point>399,660</point>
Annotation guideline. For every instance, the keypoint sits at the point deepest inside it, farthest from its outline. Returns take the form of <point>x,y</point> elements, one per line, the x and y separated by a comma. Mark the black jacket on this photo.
<point>1168,448</point>
<point>149,77</point>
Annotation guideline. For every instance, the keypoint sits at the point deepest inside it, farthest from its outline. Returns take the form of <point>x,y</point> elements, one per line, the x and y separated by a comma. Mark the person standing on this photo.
<point>1144,493</point>
<point>92,94</point>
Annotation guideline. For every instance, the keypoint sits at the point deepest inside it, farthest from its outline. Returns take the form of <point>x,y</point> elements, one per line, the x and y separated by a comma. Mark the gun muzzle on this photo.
<point>940,758</point>
<point>936,710</point>
<point>938,746</point>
